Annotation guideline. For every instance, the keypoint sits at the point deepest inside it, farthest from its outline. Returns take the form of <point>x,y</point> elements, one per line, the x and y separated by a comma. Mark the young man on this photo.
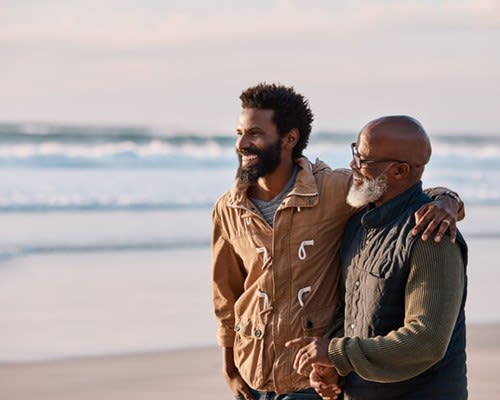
<point>404,298</point>
<point>275,245</point>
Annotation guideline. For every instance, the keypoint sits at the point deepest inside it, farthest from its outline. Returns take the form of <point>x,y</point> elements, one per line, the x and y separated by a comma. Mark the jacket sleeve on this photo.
<point>228,279</point>
<point>433,298</point>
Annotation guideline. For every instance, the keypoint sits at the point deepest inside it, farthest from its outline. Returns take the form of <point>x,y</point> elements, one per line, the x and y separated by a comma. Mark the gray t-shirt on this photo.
<point>268,208</point>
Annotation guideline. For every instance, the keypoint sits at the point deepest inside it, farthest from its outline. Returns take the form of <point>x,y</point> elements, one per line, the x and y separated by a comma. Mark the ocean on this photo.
<point>106,232</point>
<point>61,168</point>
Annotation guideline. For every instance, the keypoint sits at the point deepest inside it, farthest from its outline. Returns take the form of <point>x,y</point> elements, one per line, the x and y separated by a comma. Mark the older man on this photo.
<point>404,297</point>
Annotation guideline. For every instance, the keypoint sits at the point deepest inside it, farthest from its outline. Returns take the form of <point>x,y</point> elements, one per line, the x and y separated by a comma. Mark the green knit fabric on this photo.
<point>432,302</point>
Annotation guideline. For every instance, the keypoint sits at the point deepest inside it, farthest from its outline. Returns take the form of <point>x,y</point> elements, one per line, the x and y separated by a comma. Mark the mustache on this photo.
<point>357,175</point>
<point>249,151</point>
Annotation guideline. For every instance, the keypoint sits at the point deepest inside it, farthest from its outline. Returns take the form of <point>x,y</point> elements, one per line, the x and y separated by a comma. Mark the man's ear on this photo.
<point>401,171</point>
<point>291,138</point>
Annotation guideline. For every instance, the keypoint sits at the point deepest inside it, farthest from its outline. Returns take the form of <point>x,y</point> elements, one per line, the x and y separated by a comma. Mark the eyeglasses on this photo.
<point>358,162</point>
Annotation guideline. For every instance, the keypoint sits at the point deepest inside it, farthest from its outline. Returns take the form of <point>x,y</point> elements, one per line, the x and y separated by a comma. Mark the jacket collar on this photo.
<point>303,194</point>
<point>379,216</point>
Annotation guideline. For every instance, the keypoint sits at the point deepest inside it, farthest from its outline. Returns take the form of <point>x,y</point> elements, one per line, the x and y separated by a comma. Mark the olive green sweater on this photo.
<point>433,297</point>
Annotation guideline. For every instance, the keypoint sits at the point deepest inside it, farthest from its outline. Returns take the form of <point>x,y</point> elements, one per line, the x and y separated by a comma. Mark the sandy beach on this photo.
<point>151,308</point>
<point>188,374</point>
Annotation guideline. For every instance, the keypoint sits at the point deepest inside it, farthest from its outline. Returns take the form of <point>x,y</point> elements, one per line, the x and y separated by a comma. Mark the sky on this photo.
<point>181,65</point>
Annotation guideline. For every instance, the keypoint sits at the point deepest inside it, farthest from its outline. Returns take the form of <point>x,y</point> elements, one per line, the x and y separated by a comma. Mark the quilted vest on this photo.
<point>375,257</point>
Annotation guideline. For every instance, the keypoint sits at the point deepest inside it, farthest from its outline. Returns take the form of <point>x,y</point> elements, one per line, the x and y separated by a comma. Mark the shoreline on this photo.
<point>188,373</point>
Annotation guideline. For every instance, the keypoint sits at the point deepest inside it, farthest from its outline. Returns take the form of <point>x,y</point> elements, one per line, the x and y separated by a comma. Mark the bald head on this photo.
<point>391,156</point>
<point>397,137</point>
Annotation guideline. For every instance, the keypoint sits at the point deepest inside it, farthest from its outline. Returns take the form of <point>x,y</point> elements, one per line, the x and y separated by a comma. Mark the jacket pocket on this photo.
<point>249,348</point>
<point>315,323</point>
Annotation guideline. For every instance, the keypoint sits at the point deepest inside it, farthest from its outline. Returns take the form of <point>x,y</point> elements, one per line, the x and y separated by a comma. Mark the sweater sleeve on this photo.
<point>433,297</point>
<point>228,278</point>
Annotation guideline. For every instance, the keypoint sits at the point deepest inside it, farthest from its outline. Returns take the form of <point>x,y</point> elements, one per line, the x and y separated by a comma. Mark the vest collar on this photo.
<point>379,216</point>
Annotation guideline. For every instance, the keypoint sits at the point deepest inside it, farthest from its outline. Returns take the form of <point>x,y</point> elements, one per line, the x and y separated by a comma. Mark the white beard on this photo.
<point>368,191</point>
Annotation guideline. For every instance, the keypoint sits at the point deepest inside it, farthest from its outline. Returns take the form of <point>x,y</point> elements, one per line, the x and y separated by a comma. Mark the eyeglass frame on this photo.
<point>358,161</point>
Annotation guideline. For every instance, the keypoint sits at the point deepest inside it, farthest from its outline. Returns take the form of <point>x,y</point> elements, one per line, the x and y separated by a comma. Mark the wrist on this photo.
<point>228,365</point>
<point>449,194</point>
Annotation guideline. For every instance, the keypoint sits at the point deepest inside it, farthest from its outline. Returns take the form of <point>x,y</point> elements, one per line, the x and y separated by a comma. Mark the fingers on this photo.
<point>421,212</point>
<point>329,391</point>
<point>239,387</point>
<point>443,227</point>
<point>314,379</point>
<point>439,216</point>
<point>321,379</point>
<point>324,375</point>
<point>452,229</point>
<point>444,222</point>
<point>245,393</point>
<point>311,350</point>
<point>318,382</point>
<point>421,219</point>
<point>430,219</point>
<point>431,227</point>
<point>302,356</point>
<point>302,341</point>
<point>301,360</point>
<point>427,220</point>
<point>304,366</point>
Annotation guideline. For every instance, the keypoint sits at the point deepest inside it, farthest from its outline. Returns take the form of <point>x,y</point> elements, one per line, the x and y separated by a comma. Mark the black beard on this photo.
<point>268,160</point>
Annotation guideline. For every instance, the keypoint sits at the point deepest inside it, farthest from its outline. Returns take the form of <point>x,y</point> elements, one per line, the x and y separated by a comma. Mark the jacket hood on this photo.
<point>319,166</point>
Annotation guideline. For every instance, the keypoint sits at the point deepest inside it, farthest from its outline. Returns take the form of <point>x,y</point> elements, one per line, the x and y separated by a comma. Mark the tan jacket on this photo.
<point>273,285</point>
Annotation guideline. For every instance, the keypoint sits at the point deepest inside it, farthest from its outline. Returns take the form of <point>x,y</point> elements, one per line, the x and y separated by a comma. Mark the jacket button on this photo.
<point>357,283</point>
<point>257,333</point>
<point>309,324</point>
<point>237,328</point>
<point>352,326</point>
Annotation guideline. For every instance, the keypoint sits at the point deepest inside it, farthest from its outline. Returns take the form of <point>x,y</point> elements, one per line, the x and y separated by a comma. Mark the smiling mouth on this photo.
<point>247,159</point>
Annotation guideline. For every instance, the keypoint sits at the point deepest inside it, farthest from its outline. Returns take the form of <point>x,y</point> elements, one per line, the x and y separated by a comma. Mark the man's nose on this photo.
<point>243,142</point>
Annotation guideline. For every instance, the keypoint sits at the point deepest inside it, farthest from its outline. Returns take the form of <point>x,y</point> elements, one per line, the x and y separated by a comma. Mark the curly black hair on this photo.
<point>291,110</point>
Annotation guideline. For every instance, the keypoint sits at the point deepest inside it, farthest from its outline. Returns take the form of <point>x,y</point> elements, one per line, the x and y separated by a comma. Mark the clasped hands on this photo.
<point>312,360</point>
